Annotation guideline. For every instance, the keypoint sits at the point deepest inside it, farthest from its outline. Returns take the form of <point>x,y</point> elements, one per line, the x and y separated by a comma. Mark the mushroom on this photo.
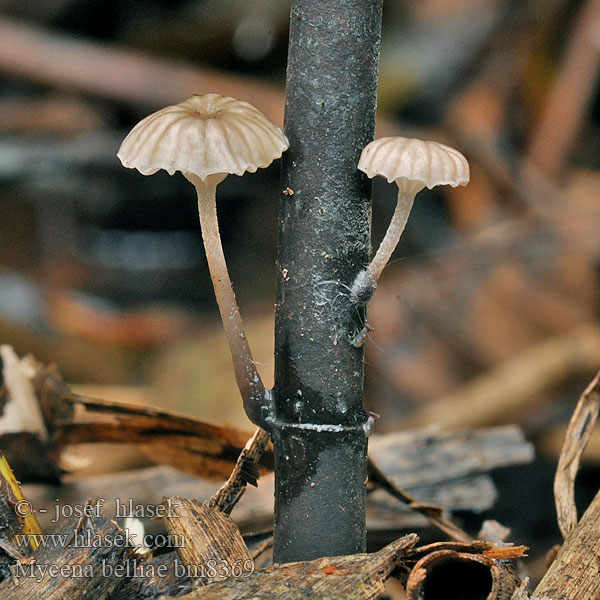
<point>413,164</point>
<point>207,138</point>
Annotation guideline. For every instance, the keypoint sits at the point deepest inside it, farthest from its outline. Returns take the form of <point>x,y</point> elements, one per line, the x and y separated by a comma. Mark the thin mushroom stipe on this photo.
<point>207,138</point>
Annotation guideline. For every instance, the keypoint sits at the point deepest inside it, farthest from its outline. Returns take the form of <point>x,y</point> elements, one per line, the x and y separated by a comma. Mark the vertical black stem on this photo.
<point>318,420</point>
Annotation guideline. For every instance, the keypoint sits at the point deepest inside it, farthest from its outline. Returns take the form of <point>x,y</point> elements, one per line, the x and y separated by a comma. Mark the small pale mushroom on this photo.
<point>207,138</point>
<point>413,165</point>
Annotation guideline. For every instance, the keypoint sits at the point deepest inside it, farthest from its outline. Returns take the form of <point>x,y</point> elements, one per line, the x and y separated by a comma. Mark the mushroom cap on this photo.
<point>202,136</point>
<point>414,164</point>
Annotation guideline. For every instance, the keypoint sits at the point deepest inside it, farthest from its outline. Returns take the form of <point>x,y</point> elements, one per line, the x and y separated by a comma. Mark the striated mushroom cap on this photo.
<point>414,164</point>
<point>202,136</point>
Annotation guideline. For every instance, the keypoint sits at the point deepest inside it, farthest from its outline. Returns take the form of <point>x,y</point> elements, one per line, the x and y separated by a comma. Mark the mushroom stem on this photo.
<point>247,378</point>
<point>391,238</point>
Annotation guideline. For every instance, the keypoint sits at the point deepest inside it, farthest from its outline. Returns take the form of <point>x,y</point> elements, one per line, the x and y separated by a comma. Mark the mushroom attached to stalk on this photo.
<point>207,138</point>
<point>413,164</point>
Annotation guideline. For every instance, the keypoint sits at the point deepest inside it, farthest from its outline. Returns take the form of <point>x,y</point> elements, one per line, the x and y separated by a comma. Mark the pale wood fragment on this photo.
<point>24,436</point>
<point>22,410</point>
<point>574,573</point>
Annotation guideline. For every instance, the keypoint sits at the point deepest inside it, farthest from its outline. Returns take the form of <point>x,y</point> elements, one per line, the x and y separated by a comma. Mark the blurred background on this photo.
<point>489,312</point>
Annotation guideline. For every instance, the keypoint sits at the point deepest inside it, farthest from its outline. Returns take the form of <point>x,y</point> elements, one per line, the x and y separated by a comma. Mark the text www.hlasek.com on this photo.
<point>88,539</point>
